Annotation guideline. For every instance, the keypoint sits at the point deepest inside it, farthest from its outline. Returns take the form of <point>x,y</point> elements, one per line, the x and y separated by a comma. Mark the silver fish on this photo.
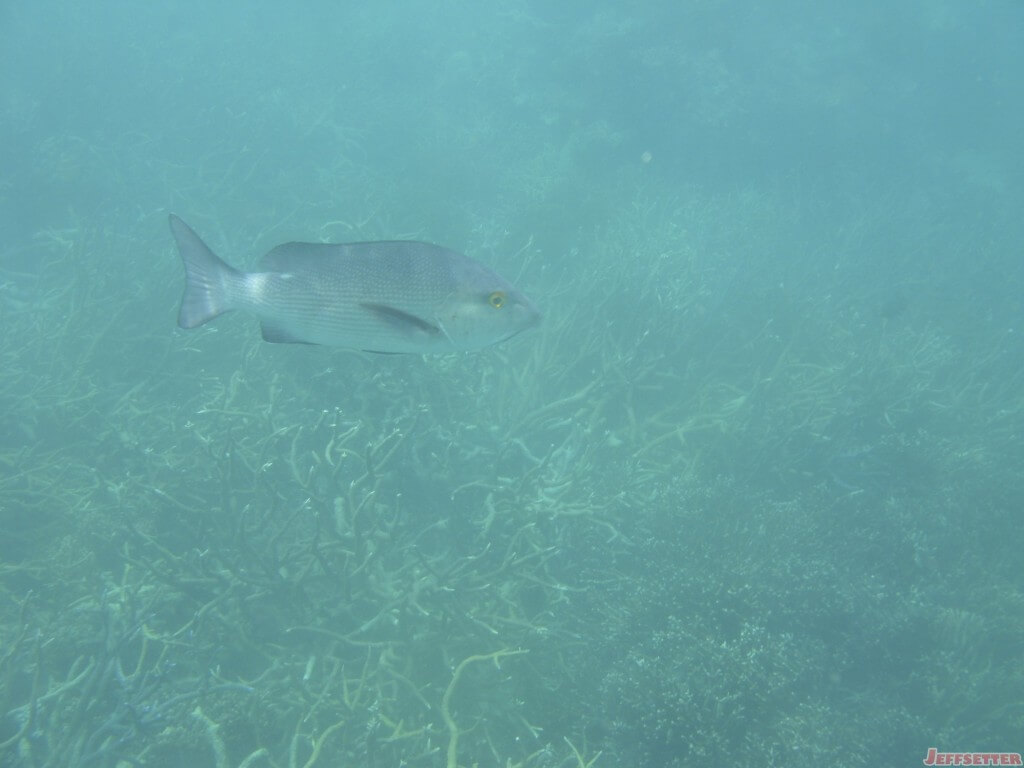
<point>389,296</point>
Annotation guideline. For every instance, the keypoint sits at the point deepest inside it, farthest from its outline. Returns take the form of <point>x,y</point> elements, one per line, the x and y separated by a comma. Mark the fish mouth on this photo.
<point>511,335</point>
<point>531,317</point>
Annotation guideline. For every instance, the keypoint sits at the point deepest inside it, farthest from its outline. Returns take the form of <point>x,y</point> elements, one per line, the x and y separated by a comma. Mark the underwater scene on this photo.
<point>668,411</point>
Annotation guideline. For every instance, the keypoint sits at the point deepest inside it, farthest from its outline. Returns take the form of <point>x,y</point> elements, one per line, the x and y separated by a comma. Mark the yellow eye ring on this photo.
<point>497,299</point>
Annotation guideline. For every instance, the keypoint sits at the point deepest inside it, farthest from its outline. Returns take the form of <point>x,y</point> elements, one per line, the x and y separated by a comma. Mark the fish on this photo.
<point>390,296</point>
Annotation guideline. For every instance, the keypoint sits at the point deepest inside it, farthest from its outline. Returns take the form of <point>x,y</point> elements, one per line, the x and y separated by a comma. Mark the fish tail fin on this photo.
<point>208,279</point>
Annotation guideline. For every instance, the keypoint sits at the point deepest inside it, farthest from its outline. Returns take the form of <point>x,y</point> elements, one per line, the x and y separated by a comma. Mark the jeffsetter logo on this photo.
<point>971,758</point>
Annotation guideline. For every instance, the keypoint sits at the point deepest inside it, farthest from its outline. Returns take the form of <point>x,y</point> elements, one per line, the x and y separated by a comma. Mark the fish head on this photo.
<point>483,308</point>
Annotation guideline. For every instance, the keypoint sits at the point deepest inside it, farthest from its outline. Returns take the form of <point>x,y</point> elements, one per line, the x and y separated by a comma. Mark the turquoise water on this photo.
<point>751,494</point>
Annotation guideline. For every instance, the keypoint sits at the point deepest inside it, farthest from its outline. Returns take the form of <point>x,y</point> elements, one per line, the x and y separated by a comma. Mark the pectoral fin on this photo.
<point>401,321</point>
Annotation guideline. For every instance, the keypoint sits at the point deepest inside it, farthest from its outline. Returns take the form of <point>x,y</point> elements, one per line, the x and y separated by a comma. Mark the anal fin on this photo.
<point>276,335</point>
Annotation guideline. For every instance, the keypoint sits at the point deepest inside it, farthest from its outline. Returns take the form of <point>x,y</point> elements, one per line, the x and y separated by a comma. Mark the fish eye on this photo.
<point>497,299</point>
